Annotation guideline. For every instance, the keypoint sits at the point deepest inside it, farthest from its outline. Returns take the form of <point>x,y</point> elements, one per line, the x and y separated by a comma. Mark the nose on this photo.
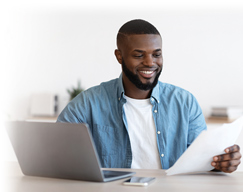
<point>148,61</point>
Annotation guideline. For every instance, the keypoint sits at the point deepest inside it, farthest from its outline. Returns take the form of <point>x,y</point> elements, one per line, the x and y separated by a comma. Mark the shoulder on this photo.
<point>173,90</point>
<point>176,96</point>
<point>92,98</point>
<point>97,93</point>
<point>104,88</point>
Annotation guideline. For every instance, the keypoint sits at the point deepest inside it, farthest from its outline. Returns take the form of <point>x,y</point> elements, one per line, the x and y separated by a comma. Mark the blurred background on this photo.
<point>48,46</point>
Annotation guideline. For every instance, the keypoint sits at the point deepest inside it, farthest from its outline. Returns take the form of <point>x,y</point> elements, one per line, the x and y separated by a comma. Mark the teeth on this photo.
<point>147,72</point>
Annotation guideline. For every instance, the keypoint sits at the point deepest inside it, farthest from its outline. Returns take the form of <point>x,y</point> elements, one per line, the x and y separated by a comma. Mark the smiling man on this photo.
<point>142,61</point>
<point>137,121</point>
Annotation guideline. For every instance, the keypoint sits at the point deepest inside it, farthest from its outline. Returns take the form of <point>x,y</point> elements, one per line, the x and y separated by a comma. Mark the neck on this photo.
<point>138,95</point>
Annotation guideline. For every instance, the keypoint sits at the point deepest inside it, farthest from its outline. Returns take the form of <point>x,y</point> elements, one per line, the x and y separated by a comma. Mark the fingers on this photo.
<point>225,164</point>
<point>233,148</point>
<point>227,169</point>
<point>228,156</point>
<point>228,162</point>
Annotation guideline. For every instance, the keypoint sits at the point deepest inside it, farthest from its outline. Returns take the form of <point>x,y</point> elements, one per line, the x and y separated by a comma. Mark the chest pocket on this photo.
<point>105,139</point>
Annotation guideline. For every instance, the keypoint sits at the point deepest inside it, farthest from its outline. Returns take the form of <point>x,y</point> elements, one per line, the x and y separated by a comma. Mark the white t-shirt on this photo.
<point>142,133</point>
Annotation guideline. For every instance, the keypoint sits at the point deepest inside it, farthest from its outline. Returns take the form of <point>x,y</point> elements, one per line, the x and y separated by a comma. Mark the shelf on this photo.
<point>218,120</point>
<point>43,119</point>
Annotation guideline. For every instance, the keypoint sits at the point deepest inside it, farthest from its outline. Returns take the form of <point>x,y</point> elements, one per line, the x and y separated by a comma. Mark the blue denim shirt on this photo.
<point>178,119</point>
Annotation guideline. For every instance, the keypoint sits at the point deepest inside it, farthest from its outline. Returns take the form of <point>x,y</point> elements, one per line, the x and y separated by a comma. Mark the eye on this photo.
<point>157,54</point>
<point>138,56</point>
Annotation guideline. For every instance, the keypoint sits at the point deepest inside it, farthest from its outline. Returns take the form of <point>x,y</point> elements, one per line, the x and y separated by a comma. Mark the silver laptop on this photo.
<point>59,150</point>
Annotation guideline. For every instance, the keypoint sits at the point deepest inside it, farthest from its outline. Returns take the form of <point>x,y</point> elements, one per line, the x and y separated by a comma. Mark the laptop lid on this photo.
<point>59,150</point>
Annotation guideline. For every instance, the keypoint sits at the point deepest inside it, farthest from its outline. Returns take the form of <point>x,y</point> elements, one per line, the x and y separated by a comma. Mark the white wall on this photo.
<point>48,48</point>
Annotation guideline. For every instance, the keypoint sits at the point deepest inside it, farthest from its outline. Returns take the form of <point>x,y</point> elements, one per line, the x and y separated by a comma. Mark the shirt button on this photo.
<point>162,155</point>
<point>119,98</point>
<point>155,111</point>
<point>152,99</point>
<point>158,132</point>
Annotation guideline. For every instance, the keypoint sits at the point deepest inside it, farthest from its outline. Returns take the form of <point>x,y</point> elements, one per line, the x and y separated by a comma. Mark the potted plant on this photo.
<point>75,91</point>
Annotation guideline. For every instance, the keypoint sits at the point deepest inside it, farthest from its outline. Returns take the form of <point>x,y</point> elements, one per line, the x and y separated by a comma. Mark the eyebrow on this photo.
<point>137,50</point>
<point>141,51</point>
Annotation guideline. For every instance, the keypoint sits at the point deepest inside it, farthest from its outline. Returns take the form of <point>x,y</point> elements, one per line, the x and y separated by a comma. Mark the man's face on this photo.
<point>142,60</point>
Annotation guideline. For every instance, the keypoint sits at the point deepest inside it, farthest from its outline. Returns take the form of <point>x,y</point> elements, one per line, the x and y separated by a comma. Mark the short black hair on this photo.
<point>134,27</point>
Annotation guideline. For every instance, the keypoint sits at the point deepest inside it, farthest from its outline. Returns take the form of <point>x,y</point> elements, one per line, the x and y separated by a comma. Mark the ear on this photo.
<point>118,55</point>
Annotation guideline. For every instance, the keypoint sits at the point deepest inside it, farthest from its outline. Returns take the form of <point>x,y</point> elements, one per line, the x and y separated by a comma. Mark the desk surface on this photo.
<point>15,181</point>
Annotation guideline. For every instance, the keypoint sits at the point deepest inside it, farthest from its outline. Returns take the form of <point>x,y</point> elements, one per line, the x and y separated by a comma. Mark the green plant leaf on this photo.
<point>75,91</point>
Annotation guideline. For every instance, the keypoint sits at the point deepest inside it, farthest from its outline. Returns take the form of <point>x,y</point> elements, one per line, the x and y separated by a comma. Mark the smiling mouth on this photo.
<point>147,72</point>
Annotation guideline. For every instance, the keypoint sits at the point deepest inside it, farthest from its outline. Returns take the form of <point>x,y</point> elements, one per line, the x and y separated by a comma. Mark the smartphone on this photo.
<point>139,181</point>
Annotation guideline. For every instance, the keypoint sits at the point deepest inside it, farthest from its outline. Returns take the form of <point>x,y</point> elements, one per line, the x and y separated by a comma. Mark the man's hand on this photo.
<point>229,161</point>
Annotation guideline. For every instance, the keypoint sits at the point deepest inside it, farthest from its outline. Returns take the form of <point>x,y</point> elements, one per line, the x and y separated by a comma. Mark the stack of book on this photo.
<point>227,113</point>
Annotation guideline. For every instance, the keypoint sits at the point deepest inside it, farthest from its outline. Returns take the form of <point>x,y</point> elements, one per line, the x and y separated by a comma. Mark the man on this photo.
<point>137,121</point>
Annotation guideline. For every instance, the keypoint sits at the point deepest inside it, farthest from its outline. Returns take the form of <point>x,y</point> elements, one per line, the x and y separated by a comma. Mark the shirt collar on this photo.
<point>155,92</point>
<point>120,87</point>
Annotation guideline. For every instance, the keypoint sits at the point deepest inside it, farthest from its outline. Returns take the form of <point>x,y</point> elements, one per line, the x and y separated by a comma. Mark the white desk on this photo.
<point>15,181</point>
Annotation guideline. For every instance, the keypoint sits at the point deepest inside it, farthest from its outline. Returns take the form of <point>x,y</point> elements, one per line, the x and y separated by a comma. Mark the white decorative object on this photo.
<point>44,104</point>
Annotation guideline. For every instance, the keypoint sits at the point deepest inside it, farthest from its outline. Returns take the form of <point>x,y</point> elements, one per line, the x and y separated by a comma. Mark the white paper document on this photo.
<point>199,155</point>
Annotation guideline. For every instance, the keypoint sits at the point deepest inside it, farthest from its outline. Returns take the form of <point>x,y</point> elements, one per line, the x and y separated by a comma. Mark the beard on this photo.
<point>134,78</point>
